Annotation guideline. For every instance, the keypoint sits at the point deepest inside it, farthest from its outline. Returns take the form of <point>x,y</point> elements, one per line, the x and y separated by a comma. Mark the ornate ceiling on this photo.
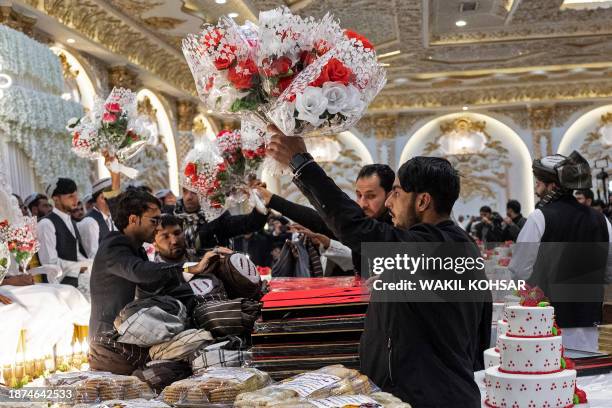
<point>509,52</point>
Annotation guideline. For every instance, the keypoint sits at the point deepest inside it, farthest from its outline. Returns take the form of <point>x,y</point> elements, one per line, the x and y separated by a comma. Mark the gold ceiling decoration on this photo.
<point>102,27</point>
<point>136,7</point>
<point>122,77</point>
<point>598,144</point>
<point>145,107</point>
<point>164,23</point>
<point>186,111</point>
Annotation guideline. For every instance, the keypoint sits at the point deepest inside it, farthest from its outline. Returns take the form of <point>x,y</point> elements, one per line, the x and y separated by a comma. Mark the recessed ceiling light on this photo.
<point>220,1</point>
<point>209,111</point>
<point>400,80</point>
<point>429,57</point>
<point>70,40</point>
<point>465,108</point>
<point>460,23</point>
<point>233,15</point>
<point>66,96</point>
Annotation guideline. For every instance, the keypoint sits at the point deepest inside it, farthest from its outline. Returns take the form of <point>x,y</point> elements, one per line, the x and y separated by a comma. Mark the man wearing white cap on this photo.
<point>59,236</point>
<point>38,205</point>
<point>98,223</point>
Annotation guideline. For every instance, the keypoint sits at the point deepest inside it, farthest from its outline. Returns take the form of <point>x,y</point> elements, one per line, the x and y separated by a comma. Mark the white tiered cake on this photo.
<point>531,371</point>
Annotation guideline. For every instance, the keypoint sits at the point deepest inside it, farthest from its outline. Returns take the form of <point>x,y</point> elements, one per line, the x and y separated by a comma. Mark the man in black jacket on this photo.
<point>120,265</point>
<point>425,353</point>
<point>202,234</point>
<point>372,188</point>
<point>513,222</point>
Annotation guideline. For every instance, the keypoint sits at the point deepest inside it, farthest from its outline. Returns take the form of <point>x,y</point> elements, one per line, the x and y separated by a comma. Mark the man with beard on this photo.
<point>556,250</point>
<point>38,205</point>
<point>98,223</point>
<point>437,346</point>
<point>59,237</point>
<point>372,188</point>
<point>201,234</point>
<point>119,266</point>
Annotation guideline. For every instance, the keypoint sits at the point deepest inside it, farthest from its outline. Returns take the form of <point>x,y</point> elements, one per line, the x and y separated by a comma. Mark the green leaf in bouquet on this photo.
<point>4,262</point>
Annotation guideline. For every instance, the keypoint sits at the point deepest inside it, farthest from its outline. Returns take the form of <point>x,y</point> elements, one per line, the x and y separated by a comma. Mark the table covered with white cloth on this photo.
<point>597,387</point>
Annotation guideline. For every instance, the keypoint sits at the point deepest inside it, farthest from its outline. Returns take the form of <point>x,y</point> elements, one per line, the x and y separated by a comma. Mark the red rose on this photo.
<point>194,178</point>
<point>11,246</point>
<point>209,84</point>
<point>221,167</point>
<point>350,34</point>
<point>212,39</point>
<point>113,107</point>
<point>109,117</point>
<point>191,169</point>
<point>215,204</point>
<point>529,302</point>
<point>321,47</point>
<point>333,71</point>
<point>282,65</point>
<point>241,75</point>
<point>223,132</point>
<point>284,83</point>
<point>261,151</point>
<point>582,398</point>
<point>75,137</point>
<point>228,55</point>
<point>307,58</point>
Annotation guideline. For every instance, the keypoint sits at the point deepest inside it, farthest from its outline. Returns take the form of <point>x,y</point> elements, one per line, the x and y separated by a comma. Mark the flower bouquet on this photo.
<point>5,260</point>
<point>333,92</point>
<point>221,171</point>
<point>20,239</point>
<point>113,131</point>
<point>221,59</point>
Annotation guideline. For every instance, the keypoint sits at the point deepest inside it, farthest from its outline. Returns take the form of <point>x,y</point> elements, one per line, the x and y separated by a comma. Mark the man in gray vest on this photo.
<point>98,222</point>
<point>60,240</point>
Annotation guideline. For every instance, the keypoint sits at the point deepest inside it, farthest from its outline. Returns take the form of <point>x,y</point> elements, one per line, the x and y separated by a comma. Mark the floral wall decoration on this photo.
<point>33,114</point>
<point>481,161</point>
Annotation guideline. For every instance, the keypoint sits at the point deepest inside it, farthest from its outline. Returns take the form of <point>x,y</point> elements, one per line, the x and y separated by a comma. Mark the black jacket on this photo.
<point>218,231</point>
<point>311,219</point>
<point>425,353</point>
<point>117,269</point>
<point>511,232</point>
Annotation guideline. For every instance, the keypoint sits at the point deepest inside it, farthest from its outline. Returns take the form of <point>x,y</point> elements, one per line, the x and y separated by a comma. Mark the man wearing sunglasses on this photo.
<point>120,265</point>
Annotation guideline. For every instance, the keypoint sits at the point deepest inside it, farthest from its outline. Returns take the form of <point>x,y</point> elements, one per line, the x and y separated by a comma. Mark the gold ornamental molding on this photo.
<point>186,111</point>
<point>100,26</point>
<point>491,95</point>
<point>17,21</point>
<point>122,77</point>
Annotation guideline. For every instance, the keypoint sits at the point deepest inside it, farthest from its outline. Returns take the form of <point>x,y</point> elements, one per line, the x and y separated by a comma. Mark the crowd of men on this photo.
<point>442,343</point>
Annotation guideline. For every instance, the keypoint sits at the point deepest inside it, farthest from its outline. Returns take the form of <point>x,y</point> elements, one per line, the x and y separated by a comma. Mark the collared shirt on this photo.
<point>47,254</point>
<point>90,232</point>
<point>525,252</point>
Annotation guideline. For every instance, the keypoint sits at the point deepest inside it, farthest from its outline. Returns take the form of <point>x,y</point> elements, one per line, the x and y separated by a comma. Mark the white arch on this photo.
<point>497,129</point>
<point>585,124</point>
<point>87,90</point>
<point>167,132</point>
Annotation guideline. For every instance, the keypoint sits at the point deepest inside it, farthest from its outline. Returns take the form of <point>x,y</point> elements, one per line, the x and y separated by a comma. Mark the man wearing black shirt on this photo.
<point>120,265</point>
<point>425,353</point>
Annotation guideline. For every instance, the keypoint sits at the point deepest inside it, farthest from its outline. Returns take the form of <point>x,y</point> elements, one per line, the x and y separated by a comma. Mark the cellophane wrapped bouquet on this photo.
<point>17,232</point>
<point>222,61</point>
<point>114,131</point>
<point>301,74</point>
<point>221,171</point>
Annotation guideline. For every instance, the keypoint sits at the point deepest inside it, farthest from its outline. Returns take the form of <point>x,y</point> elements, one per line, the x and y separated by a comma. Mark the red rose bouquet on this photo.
<point>221,171</point>
<point>113,130</point>
<point>331,94</point>
<point>20,239</point>
<point>221,59</point>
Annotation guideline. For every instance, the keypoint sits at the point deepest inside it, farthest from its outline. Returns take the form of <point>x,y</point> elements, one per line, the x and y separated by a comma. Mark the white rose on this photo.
<point>337,96</point>
<point>311,104</point>
<point>354,104</point>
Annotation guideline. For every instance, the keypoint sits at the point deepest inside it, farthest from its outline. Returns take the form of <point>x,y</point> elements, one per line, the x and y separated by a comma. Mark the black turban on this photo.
<point>61,186</point>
